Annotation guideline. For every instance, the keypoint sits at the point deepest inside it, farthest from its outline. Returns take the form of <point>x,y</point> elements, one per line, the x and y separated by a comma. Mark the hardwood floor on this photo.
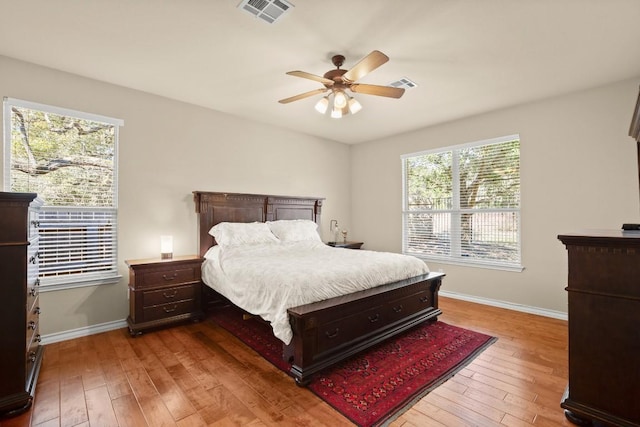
<point>199,375</point>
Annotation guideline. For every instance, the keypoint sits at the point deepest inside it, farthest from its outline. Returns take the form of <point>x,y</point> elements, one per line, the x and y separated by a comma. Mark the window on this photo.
<point>462,204</point>
<point>69,159</point>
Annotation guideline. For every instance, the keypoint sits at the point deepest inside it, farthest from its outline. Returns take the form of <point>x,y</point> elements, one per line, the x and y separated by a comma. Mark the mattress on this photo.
<point>267,279</point>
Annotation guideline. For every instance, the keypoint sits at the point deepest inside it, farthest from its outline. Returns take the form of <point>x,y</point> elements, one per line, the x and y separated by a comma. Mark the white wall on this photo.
<point>167,150</point>
<point>578,171</point>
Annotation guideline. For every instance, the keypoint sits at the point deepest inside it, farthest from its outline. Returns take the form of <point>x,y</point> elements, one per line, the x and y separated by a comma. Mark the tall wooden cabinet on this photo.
<point>604,327</point>
<point>20,349</point>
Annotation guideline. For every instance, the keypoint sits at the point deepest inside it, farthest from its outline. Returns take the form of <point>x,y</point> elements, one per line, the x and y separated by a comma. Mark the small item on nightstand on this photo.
<point>344,236</point>
<point>628,227</point>
<point>166,247</point>
<point>333,227</point>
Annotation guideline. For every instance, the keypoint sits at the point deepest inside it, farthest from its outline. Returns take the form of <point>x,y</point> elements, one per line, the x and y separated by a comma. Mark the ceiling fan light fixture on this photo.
<point>354,105</point>
<point>322,105</point>
<point>336,113</point>
<point>338,81</point>
<point>339,99</point>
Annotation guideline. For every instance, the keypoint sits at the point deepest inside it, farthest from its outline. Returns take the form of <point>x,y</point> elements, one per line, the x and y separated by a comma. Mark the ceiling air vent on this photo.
<point>404,83</point>
<point>268,10</point>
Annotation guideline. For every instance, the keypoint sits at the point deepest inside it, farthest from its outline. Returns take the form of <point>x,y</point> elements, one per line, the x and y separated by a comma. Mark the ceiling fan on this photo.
<point>338,81</point>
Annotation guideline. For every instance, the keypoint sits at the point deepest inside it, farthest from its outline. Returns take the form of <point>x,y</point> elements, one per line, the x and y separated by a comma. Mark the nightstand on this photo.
<point>348,245</point>
<point>163,292</point>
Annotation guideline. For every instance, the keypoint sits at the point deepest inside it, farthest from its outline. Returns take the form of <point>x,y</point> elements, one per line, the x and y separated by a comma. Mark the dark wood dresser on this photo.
<point>163,292</point>
<point>20,349</point>
<point>604,327</point>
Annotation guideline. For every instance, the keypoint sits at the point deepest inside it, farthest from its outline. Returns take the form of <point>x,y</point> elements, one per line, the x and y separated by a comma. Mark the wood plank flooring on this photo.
<point>199,375</point>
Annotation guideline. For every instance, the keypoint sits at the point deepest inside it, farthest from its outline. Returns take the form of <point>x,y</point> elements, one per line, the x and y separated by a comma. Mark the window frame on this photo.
<point>68,281</point>
<point>455,257</point>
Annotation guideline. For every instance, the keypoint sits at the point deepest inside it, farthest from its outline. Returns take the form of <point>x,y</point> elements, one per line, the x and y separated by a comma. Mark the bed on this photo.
<point>326,331</point>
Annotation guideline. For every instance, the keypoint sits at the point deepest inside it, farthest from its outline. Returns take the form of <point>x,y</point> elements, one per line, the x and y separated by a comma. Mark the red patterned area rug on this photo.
<point>376,386</point>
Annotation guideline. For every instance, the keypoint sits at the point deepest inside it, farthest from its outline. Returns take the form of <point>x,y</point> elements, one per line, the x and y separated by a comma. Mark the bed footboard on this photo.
<point>329,331</point>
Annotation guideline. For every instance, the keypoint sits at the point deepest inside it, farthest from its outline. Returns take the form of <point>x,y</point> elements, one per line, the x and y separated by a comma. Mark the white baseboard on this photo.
<point>83,332</point>
<point>508,305</point>
<point>117,324</point>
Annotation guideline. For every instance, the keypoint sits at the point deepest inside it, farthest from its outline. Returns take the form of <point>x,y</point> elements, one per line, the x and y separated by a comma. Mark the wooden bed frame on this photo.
<point>328,331</point>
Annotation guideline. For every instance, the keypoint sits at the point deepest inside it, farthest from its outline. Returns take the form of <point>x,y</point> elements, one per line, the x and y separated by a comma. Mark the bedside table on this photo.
<point>348,245</point>
<point>163,292</point>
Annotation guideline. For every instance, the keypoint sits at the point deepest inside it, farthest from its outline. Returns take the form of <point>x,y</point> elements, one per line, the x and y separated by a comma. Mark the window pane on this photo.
<point>490,176</point>
<point>428,233</point>
<point>491,236</point>
<point>77,241</point>
<point>429,181</point>
<point>67,161</point>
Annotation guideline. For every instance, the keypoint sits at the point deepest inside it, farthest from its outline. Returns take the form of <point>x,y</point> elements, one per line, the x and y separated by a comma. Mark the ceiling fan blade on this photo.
<point>365,66</point>
<point>303,95</point>
<point>388,91</point>
<point>310,76</point>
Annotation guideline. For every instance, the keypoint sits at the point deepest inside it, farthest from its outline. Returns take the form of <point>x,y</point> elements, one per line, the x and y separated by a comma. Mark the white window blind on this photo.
<point>69,158</point>
<point>462,204</point>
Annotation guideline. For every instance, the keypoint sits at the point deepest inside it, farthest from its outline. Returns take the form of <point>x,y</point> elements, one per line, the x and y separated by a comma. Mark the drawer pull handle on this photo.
<point>38,338</point>
<point>36,310</point>
<point>37,282</point>
<point>34,257</point>
<point>374,318</point>
<point>424,298</point>
<point>36,224</point>
<point>170,310</point>
<point>32,356</point>
<point>33,292</point>
<point>165,277</point>
<point>32,325</point>
<point>332,335</point>
<point>398,308</point>
<point>167,295</point>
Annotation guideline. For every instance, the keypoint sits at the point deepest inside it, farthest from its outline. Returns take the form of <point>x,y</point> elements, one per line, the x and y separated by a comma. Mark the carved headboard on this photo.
<point>213,208</point>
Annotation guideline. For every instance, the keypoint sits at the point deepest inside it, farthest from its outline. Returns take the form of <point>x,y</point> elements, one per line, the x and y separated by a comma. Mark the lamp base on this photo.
<point>167,255</point>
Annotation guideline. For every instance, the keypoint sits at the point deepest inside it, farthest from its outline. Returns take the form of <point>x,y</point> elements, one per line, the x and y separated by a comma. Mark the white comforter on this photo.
<point>266,280</point>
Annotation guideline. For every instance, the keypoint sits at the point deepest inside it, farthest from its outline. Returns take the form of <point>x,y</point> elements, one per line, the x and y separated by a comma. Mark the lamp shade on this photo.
<point>354,106</point>
<point>322,105</point>
<point>166,247</point>
<point>339,99</point>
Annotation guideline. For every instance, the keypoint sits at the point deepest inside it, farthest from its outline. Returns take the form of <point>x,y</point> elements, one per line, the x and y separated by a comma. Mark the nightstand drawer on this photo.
<point>167,295</point>
<point>184,274</point>
<point>168,310</point>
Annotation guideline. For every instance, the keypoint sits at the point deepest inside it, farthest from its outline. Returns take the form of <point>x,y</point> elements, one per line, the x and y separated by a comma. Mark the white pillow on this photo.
<point>295,230</point>
<point>242,233</point>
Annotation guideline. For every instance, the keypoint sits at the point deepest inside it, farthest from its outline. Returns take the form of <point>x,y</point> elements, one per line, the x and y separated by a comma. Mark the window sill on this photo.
<point>59,285</point>
<point>472,264</point>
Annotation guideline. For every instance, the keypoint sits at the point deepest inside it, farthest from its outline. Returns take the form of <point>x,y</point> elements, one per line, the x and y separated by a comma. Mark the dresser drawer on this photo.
<point>33,256</point>
<point>34,223</point>
<point>32,328</point>
<point>169,295</point>
<point>170,276</point>
<point>345,329</point>
<point>172,309</point>
<point>32,295</point>
<point>31,356</point>
<point>402,307</point>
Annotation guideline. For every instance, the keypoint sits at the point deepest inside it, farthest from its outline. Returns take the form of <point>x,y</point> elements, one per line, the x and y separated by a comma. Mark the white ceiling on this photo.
<point>467,56</point>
